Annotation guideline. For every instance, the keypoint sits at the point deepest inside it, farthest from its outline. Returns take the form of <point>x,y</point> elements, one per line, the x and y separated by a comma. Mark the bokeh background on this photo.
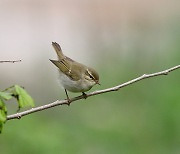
<point>121,39</point>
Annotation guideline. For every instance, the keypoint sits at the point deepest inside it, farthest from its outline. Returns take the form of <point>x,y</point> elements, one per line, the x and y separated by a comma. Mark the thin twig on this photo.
<point>65,102</point>
<point>10,61</point>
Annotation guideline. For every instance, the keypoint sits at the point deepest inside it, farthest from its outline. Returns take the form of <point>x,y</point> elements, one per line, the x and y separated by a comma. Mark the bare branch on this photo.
<point>10,61</point>
<point>65,102</point>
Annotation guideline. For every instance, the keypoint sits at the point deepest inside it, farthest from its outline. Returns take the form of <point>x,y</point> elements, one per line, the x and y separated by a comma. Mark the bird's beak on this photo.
<point>97,82</point>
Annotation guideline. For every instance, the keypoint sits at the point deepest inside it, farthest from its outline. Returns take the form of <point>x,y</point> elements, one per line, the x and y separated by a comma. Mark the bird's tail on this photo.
<point>58,50</point>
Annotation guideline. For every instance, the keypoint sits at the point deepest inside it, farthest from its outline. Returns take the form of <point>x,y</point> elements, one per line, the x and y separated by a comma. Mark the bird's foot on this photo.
<point>84,95</point>
<point>68,101</point>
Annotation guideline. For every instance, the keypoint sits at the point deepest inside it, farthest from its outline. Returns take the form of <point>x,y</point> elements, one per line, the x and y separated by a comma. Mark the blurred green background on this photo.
<point>121,40</point>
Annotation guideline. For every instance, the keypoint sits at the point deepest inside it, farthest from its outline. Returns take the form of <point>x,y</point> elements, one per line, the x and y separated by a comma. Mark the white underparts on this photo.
<point>81,85</point>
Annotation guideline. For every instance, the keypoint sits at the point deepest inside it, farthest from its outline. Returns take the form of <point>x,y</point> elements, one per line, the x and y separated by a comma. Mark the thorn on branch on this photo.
<point>144,75</point>
<point>116,89</point>
<point>166,72</point>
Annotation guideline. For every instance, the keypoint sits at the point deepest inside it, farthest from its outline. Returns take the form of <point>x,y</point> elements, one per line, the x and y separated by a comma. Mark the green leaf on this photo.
<point>5,95</point>
<point>23,98</point>
<point>3,111</point>
<point>3,114</point>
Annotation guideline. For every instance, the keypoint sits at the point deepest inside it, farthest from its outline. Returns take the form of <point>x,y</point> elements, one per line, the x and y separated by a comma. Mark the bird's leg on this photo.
<point>69,101</point>
<point>84,95</point>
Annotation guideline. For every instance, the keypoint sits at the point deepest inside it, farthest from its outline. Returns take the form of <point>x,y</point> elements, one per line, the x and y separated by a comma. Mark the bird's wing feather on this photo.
<point>66,69</point>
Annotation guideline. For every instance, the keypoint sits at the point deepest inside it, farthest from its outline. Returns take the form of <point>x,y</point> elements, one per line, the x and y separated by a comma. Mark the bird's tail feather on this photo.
<point>58,50</point>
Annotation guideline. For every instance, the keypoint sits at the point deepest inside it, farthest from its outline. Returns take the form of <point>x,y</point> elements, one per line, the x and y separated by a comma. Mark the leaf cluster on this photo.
<point>17,92</point>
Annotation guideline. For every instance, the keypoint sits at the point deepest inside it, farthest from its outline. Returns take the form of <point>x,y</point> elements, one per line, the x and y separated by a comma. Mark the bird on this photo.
<point>74,76</point>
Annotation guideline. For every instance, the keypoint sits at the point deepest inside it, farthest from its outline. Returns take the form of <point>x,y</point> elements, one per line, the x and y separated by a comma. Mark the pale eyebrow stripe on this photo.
<point>90,74</point>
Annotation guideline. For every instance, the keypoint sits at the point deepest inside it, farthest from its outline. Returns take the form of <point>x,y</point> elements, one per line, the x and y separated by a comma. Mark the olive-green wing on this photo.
<point>65,67</point>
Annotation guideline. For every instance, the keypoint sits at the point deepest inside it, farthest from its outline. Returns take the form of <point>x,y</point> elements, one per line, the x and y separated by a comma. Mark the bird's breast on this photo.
<point>81,85</point>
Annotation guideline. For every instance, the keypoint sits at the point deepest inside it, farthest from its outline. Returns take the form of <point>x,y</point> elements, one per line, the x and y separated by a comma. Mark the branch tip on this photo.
<point>10,61</point>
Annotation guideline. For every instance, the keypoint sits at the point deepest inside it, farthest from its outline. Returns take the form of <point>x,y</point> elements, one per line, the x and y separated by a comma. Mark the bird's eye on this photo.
<point>91,76</point>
